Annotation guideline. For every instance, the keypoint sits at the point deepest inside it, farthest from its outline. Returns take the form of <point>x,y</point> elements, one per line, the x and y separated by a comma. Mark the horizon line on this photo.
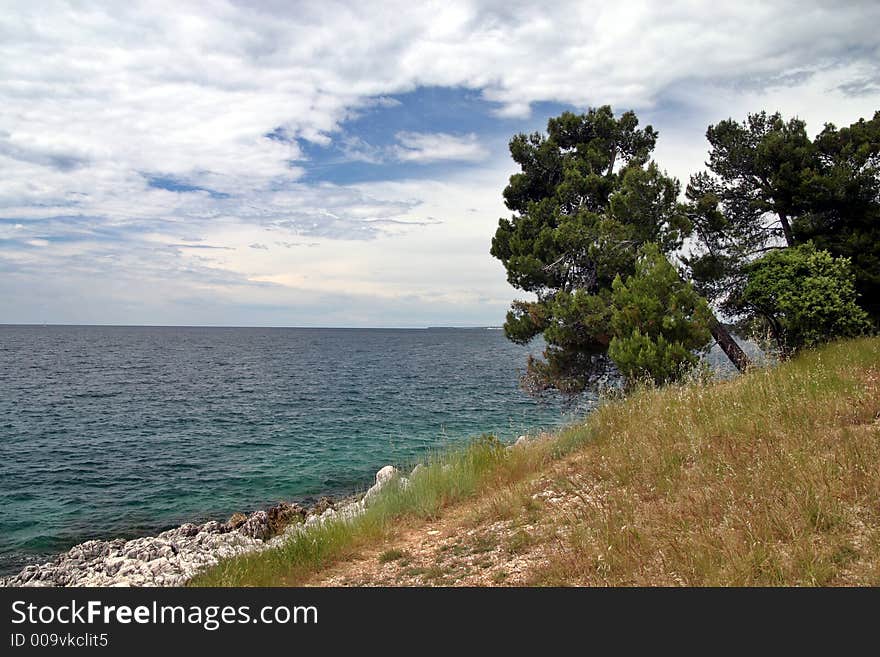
<point>353,328</point>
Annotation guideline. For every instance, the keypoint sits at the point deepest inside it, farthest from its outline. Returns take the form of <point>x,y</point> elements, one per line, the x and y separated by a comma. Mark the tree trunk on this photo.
<point>734,352</point>
<point>728,345</point>
<point>786,228</point>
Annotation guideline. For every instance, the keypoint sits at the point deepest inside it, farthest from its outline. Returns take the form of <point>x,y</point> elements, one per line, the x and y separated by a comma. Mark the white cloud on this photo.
<point>98,98</point>
<point>418,147</point>
<point>191,91</point>
<point>434,147</point>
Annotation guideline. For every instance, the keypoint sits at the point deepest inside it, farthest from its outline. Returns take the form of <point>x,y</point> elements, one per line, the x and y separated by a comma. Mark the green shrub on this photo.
<point>804,297</point>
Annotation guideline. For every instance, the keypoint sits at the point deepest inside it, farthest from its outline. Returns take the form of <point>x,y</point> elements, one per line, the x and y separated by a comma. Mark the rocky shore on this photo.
<point>174,556</point>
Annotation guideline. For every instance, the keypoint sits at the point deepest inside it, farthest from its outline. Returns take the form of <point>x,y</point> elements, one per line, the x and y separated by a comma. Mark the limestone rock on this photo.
<point>282,514</point>
<point>322,505</point>
<point>235,521</point>
<point>175,555</point>
<point>383,477</point>
<point>256,526</point>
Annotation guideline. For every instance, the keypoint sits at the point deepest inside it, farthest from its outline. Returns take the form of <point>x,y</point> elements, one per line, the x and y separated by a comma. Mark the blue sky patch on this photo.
<point>366,147</point>
<point>173,184</point>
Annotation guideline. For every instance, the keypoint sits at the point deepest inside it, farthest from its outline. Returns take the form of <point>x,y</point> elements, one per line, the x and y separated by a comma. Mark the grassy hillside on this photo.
<point>772,478</point>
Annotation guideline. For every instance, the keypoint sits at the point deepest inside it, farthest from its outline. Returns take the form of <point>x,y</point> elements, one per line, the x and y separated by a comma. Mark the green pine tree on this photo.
<point>659,321</point>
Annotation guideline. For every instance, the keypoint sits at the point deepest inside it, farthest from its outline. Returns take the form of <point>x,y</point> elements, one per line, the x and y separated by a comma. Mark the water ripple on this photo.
<point>109,431</point>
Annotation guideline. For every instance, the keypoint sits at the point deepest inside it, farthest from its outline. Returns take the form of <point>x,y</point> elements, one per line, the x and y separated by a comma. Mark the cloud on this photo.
<point>196,91</point>
<point>291,245</point>
<point>434,147</point>
<point>196,95</point>
<point>45,155</point>
<point>865,86</point>
<point>416,147</point>
<point>125,127</point>
<point>202,246</point>
<point>356,149</point>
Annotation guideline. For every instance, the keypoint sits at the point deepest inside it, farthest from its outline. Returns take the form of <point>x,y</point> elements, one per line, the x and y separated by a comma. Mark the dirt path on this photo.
<point>502,540</point>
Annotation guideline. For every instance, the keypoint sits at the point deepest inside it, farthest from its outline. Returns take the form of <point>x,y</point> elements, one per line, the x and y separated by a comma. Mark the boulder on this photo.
<point>383,476</point>
<point>322,505</point>
<point>256,526</point>
<point>281,515</point>
<point>235,521</point>
<point>188,529</point>
<point>214,527</point>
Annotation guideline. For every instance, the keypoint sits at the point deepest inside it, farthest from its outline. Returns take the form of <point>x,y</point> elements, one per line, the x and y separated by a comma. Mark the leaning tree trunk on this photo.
<point>728,345</point>
<point>734,352</point>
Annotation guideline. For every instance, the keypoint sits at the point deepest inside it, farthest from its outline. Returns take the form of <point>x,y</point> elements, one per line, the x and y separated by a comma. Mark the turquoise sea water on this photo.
<point>124,431</point>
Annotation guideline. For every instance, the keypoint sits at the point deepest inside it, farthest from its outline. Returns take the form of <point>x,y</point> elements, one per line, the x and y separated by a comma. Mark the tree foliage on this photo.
<point>804,297</point>
<point>844,209</point>
<point>659,321</point>
<point>769,186</point>
<point>743,204</point>
<point>586,198</point>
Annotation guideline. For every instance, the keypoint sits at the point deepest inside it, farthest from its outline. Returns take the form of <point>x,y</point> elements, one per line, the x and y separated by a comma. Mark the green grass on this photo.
<point>446,478</point>
<point>391,555</point>
<point>771,478</point>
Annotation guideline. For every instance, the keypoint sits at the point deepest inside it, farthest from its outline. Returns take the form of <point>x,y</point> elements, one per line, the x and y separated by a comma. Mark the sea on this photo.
<point>116,431</point>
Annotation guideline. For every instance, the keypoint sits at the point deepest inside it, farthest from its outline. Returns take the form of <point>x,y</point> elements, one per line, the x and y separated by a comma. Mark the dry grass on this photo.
<point>769,479</point>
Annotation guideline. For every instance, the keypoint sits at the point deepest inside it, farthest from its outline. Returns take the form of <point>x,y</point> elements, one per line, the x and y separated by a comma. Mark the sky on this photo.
<point>341,163</point>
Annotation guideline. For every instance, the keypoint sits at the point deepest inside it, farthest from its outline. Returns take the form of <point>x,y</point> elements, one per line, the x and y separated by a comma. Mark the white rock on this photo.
<point>386,474</point>
<point>175,555</point>
<point>113,565</point>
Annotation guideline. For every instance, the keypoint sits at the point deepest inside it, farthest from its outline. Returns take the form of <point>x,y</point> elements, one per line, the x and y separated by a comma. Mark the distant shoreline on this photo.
<point>232,326</point>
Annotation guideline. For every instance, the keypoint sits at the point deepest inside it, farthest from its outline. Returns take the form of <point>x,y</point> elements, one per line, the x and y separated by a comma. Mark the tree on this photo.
<point>743,205</point>
<point>768,187</point>
<point>804,296</point>
<point>587,197</point>
<point>843,216</point>
<point>659,322</point>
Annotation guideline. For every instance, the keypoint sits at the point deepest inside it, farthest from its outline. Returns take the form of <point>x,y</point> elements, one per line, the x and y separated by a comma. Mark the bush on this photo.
<point>804,297</point>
